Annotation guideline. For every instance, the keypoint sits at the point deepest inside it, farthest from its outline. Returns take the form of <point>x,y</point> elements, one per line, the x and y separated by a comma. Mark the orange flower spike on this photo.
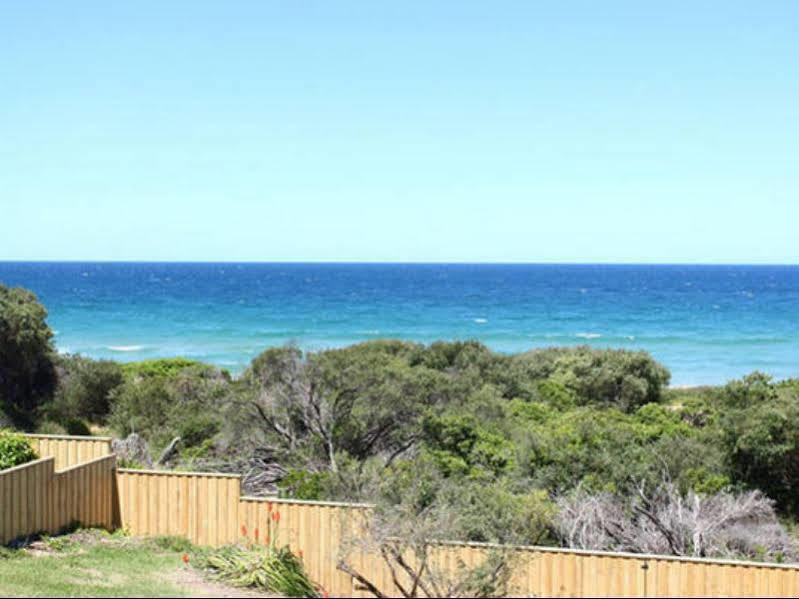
<point>256,535</point>
<point>185,558</point>
<point>277,516</point>
<point>300,553</point>
<point>243,530</point>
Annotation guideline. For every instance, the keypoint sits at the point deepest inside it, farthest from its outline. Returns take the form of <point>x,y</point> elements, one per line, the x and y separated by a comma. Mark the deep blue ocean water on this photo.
<point>707,324</point>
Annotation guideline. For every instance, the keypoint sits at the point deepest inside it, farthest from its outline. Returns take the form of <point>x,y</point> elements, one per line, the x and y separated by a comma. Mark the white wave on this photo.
<point>481,320</point>
<point>125,347</point>
<point>588,335</point>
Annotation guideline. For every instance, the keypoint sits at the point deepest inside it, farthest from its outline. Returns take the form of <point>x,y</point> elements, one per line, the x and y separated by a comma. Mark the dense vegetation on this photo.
<point>15,449</point>
<point>521,446</point>
<point>27,373</point>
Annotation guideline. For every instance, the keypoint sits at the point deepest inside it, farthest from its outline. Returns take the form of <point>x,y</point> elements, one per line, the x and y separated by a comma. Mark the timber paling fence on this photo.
<point>69,450</point>
<point>208,509</point>
<point>36,497</point>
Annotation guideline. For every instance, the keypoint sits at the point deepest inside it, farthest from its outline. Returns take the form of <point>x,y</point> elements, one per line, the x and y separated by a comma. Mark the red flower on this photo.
<point>243,530</point>
<point>256,535</point>
<point>276,516</point>
<point>185,558</point>
<point>299,552</point>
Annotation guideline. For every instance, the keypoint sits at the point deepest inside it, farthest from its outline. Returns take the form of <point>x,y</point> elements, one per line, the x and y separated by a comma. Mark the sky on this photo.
<point>405,131</point>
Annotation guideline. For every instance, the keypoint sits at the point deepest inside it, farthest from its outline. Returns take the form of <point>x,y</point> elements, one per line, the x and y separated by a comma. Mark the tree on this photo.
<point>184,402</point>
<point>761,437</point>
<point>84,389</point>
<point>27,370</point>
<point>361,401</point>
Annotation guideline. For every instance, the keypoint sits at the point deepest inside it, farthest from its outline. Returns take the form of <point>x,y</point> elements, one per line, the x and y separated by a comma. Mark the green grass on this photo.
<point>93,564</point>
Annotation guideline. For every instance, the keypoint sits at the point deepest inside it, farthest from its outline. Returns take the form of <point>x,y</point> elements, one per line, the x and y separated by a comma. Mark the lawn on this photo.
<point>96,564</point>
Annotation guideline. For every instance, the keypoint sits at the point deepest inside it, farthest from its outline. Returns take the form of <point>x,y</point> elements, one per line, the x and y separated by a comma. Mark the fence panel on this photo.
<point>199,506</point>
<point>84,494</point>
<point>313,530</point>
<point>70,450</point>
<point>34,498</point>
<point>25,498</point>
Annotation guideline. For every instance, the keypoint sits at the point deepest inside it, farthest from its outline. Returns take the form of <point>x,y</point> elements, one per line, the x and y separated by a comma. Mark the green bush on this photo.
<point>198,428</point>
<point>159,407</point>
<point>301,484</point>
<point>162,367</point>
<point>84,389</point>
<point>27,372</point>
<point>65,426</point>
<point>15,449</point>
<point>615,377</point>
<point>761,438</point>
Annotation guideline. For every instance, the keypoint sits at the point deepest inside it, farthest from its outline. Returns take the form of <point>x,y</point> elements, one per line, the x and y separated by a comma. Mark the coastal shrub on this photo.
<point>301,484</point>
<point>761,438</point>
<point>162,367</point>
<point>84,389</point>
<point>602,449</point>
<point>198,428</point>
<point>160,407</point>
<point>462,447</point>
<point>619,378</point>
<point>27,369</point>
<point>15,449</point>
<point>363,400</point>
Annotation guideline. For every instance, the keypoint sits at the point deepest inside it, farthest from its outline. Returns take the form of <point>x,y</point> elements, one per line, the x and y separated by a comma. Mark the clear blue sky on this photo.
<point>406,131</point>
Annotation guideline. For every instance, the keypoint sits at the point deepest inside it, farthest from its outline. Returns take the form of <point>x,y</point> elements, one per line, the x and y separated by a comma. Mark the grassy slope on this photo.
<point>93,565</point>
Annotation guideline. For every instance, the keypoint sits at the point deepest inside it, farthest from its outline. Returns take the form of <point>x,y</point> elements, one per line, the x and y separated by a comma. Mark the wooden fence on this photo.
<point>207,509</point>
<point>35,498</point>
<point>69,450</point>
<point>200,507</point>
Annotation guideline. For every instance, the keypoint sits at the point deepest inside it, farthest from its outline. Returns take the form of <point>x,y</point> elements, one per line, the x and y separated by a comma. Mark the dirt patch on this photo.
<point>192,581</point>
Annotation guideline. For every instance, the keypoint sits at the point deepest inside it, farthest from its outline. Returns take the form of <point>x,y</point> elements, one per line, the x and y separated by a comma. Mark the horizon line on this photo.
<point>396,262</point>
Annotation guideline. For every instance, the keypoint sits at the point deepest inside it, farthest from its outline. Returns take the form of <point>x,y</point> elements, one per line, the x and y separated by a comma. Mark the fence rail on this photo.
<point>207,509</point>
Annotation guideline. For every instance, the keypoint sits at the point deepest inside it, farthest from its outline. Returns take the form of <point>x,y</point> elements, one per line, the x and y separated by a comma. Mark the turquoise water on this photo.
<point>706,323</point>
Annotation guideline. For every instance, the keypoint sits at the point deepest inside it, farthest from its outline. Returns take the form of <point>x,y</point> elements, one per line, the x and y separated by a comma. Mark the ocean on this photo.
<point>707,324</point>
